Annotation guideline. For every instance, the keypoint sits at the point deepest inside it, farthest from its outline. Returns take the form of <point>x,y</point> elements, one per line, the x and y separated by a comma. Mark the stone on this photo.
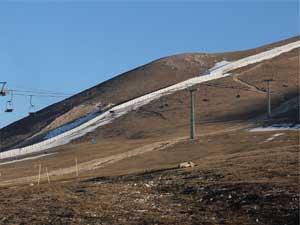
<point>186,165</point>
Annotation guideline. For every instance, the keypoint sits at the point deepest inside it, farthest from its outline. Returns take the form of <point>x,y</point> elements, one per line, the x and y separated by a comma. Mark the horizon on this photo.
<point>65,50</point>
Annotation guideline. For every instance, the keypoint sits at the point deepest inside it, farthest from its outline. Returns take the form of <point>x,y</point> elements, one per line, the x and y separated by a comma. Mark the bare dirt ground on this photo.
<point>240,178</point>
<point>95,156</point>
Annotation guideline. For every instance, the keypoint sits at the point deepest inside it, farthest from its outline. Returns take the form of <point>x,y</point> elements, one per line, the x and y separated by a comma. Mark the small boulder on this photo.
<point>186,165</point>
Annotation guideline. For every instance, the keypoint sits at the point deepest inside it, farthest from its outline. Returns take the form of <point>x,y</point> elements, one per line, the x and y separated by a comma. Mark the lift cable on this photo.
<point>42,95</point>
<point>41,92</point>
<point>227,87</point>
<point>38,90</point>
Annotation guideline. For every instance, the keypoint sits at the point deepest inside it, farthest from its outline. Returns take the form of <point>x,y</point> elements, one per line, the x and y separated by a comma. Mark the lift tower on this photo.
<point>192,91</point>
<point>269,105</point>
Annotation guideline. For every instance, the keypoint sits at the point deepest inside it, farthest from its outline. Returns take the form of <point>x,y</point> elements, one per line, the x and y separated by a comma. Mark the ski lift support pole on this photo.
<point>269,105</point>
<point>192,112</point>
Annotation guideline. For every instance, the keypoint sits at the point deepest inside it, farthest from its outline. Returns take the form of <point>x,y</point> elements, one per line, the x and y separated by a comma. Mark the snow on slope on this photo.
<point>218,65</point>
<point>124,108</point>
<point>71,125</point>
<point>277,127</point>
<point>273,137</point>
<point>25,159</point>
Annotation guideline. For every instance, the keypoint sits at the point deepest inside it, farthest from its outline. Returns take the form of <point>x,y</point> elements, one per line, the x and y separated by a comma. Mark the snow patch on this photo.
<point>273,137</point>
<point>218,65</point>
<point>275,127</point>
<point>25,159</point>
<point>71,125</point>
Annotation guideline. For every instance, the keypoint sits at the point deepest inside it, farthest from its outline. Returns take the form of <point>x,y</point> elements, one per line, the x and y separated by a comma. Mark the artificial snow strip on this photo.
<point>277,127</point>
<point>273,137</point>
<point>25,159</point>
<point>71,125</point>
<point>218,65</point>
<point>126,107</point>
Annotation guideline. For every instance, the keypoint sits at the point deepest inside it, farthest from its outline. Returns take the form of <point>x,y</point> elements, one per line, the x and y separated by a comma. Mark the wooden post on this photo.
<point>76,166</point>
<point>47,175</point>
<point>39,177</point>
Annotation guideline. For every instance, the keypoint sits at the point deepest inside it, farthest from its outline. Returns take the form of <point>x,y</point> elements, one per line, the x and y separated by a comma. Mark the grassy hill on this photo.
<point>130,174</point>
<point>142,80</point>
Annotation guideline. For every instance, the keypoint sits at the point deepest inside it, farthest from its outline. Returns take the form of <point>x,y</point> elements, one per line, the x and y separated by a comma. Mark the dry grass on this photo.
<point>130,175</point>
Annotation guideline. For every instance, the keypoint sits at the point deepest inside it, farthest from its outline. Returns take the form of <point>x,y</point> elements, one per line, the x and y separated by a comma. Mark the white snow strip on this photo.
<point>124,108</point>
<point>218,65</point>
<point>277,127</point>
<point>273,137</point>
<point>25,159</point>
<point>71,125</point>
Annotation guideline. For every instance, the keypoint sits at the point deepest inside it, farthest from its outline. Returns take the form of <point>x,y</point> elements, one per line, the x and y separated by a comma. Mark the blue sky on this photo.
<point>68,47</point>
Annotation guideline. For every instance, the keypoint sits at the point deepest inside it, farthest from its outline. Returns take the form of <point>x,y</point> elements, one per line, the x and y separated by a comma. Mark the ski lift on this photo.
<point>9,104</point>
<point>205,99</point>
<point>9,107</point>
<point>238,94</point>
<point>31,107</point>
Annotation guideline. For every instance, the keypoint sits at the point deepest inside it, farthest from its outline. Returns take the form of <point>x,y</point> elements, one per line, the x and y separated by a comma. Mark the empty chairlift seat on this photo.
<point>9,107</point>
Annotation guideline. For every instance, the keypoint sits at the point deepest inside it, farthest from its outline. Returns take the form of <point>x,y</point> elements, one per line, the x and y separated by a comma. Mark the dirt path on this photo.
<point>250,86</point>
<point>102,162</point>
<point>98,163</point>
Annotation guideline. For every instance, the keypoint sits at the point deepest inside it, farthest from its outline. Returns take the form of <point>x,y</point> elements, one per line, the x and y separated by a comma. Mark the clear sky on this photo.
<point>70,46</point>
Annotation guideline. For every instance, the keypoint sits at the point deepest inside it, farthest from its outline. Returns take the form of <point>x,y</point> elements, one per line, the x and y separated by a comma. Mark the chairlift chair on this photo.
<point>9,107</point>
<point>9,104</point>
<point>3,92</point>
<point>31,107</point>
<point>238,94</point>
<point>205,99</point>
<point>31,113</point>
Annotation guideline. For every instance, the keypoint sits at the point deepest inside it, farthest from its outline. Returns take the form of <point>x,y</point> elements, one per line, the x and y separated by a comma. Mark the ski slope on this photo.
<point>71,125</point>
<point>119,110</point>
<point>218,65</point>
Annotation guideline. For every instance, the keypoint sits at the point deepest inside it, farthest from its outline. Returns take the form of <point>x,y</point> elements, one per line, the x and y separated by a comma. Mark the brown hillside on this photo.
<point>131,174</point>
<point>142,80</point>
